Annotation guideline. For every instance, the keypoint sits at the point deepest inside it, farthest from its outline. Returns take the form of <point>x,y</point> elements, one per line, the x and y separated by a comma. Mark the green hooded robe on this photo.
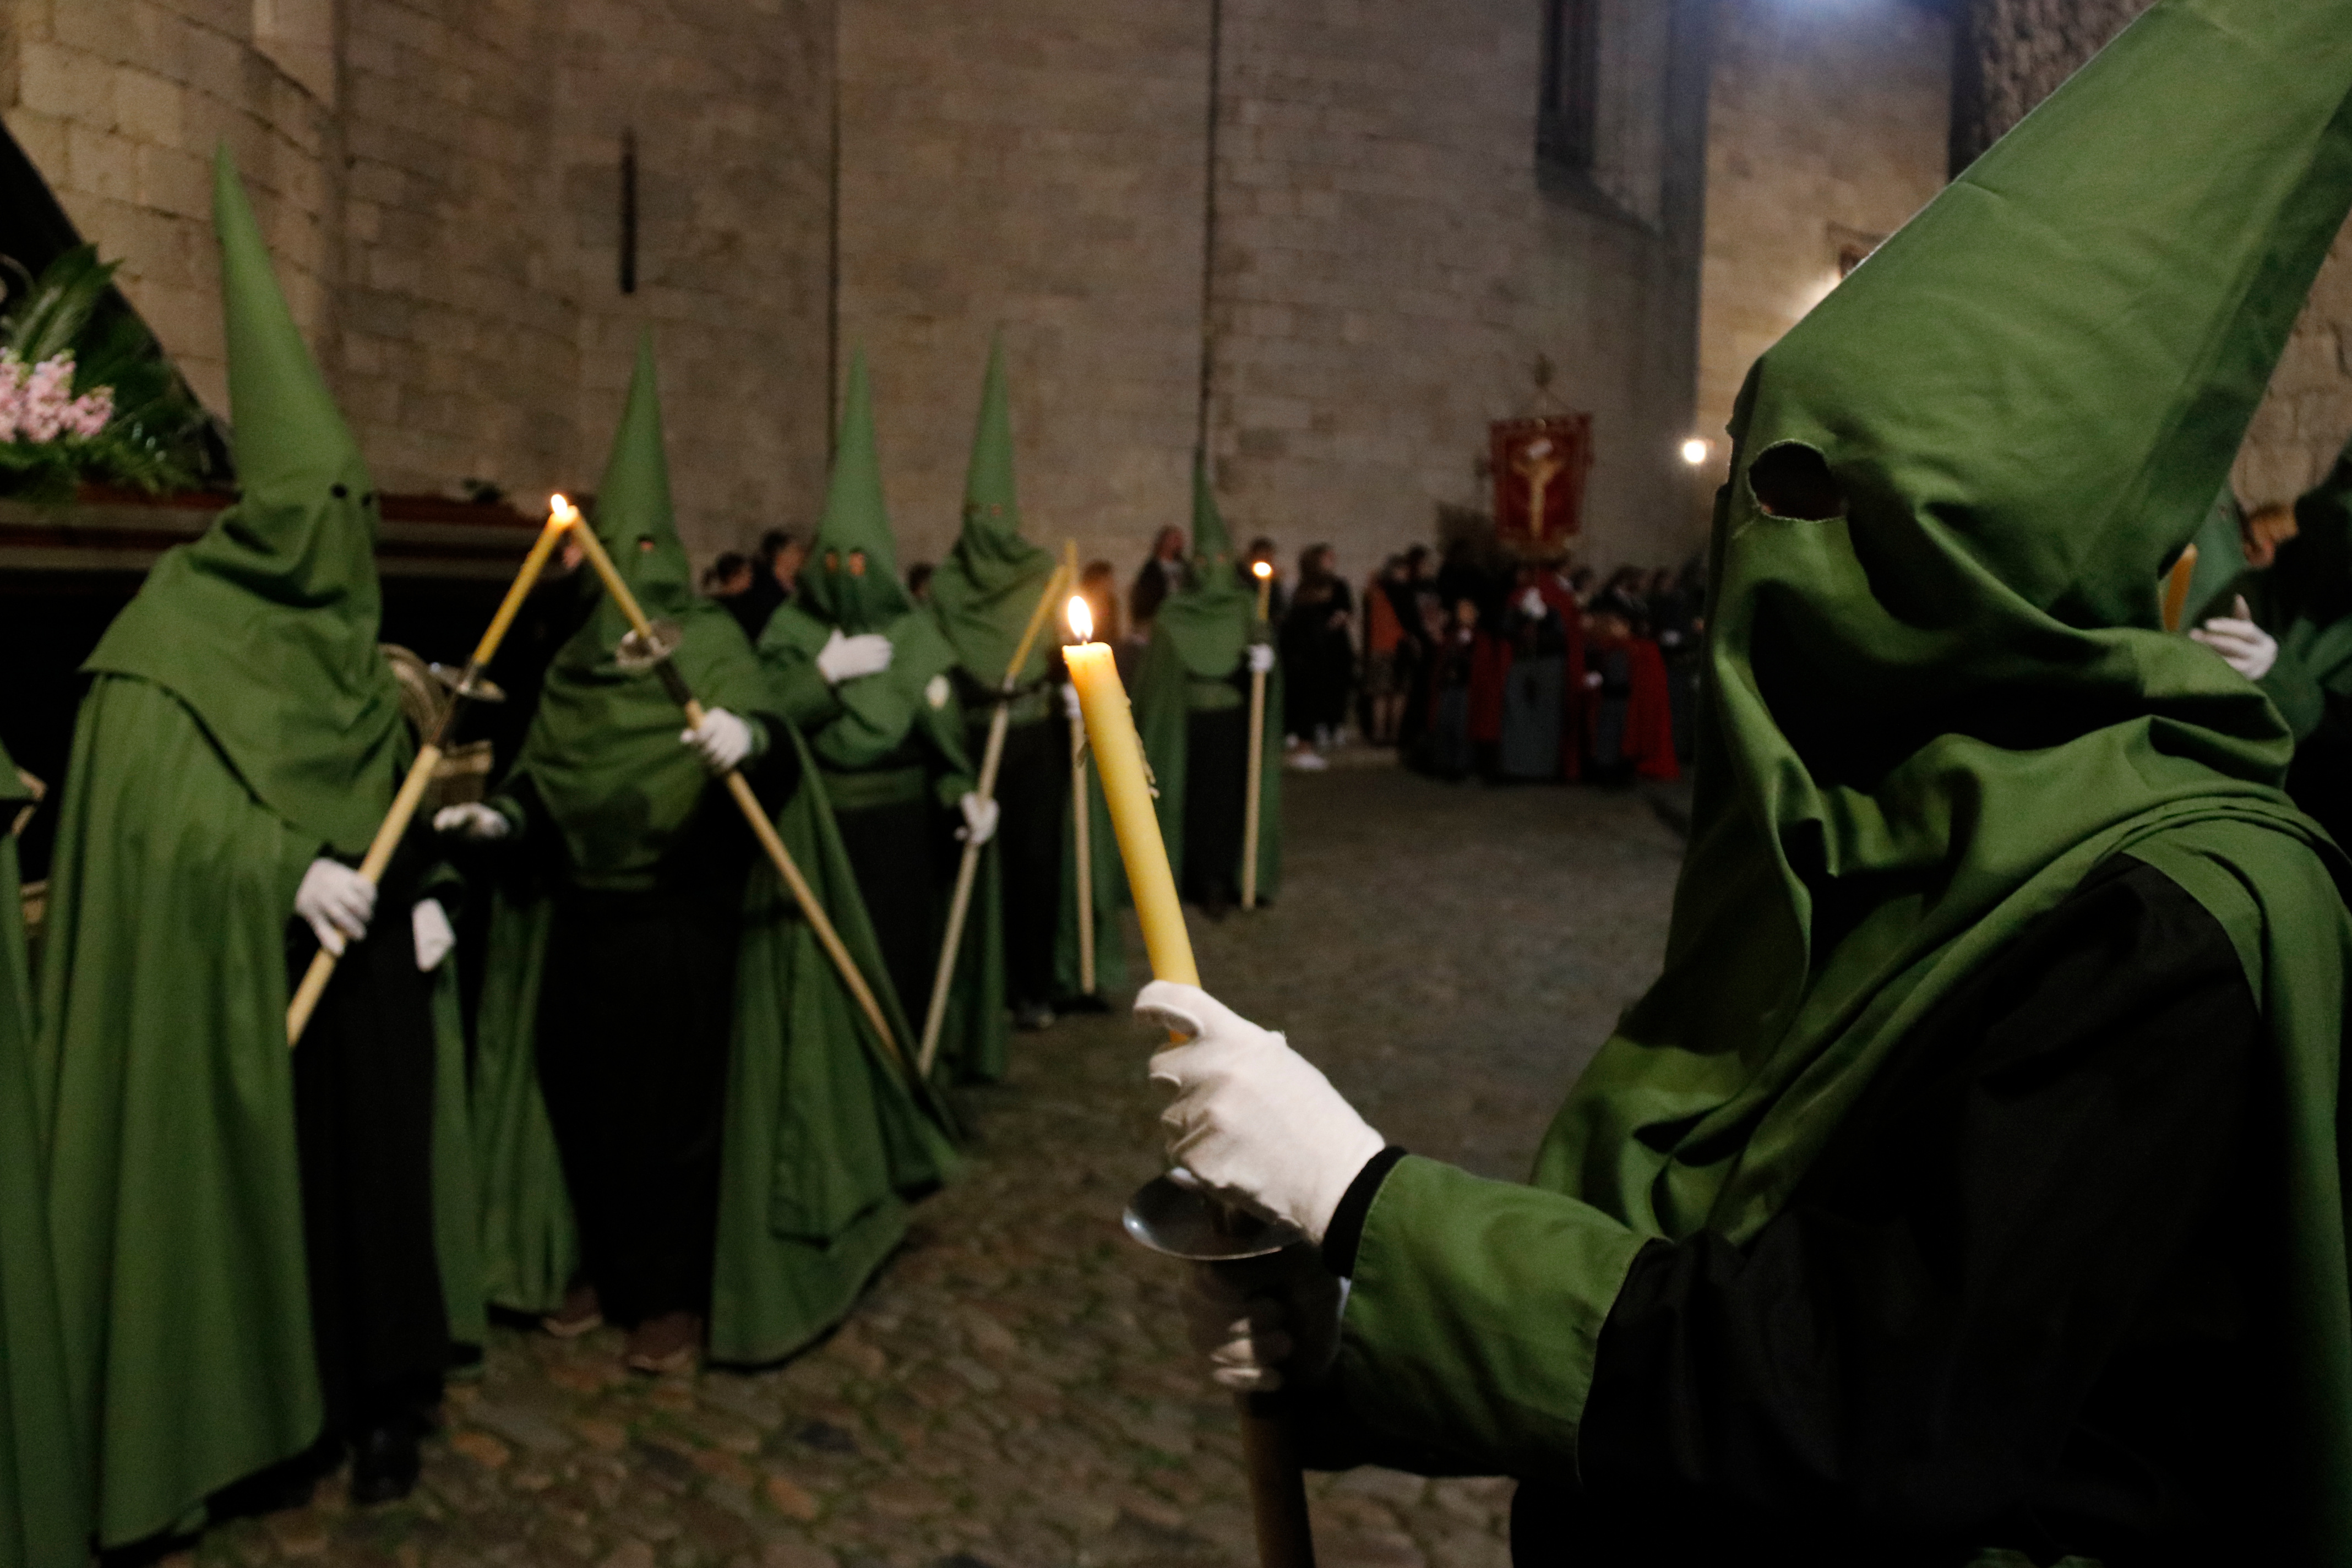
<point>240,723</point>
<point>895,738</point>
<point>822,1134</point>
<point>1933,704</point>
<point>1194,664</point>
<point>983,595</point>
<point>44,1497</point>
<point>2304,600</point>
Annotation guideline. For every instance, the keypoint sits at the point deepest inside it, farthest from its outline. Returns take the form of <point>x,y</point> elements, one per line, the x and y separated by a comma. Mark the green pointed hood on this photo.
<point>1210,619</point>
<point>633,515</point>
<point>985,591</point>
<point>602,749</point>
<point>266,626</point>
<point>1937,689</point>
<point>877,711</point>
<point>835,585</point>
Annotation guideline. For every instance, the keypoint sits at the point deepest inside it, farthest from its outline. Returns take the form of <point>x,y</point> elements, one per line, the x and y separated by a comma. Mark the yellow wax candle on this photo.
<point>1126,790</point>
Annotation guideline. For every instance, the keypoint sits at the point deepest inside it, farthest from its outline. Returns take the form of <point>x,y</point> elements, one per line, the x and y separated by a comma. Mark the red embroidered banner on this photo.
<point>1539,470</point>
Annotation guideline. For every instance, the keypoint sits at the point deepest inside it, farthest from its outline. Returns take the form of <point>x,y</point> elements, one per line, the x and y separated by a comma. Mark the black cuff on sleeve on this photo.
<point>1346,1229</point>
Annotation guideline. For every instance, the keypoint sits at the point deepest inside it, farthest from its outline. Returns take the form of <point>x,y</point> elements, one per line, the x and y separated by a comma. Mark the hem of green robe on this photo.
<point>751,1326</point>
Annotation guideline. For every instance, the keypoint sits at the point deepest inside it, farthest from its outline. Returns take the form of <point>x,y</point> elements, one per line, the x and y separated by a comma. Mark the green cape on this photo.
<point>869,718</point>
<point>43,1498</point>
<point>175,1195</point>
<point>2304,599</point>
<point>986,589</point>
<point>2220,544</point>
<point>266,626</point>
<point>823,1139</point>
<point>604,747</point>
<point>1932,710</point>
<point>1192,662</point>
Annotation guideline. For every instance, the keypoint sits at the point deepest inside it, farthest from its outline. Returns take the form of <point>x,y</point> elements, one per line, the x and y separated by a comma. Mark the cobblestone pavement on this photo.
<point>1015,1391</point>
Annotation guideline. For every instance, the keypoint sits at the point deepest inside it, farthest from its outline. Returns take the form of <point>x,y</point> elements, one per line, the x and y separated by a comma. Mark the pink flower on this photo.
<point>47,394</point>
<point>38,403</point>
<point>86,415</point>
<point>12,394</point>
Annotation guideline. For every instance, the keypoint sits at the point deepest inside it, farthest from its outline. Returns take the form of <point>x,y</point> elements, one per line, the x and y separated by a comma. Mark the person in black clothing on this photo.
<point>1161,576</point>
<point>1318,657</point>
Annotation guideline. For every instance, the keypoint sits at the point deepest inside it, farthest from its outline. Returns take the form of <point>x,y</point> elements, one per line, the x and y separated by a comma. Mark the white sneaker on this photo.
<point>1306,761</point>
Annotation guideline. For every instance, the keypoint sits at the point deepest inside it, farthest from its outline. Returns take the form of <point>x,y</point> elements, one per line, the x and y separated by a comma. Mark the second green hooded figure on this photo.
<point>868,677</point>
<point>682,1125</point>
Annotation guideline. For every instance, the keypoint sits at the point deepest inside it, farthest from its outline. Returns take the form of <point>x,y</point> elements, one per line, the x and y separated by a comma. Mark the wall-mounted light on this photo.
<point>1695,451</point>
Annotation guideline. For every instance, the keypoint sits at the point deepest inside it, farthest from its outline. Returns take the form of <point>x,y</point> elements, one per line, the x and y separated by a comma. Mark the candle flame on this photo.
<point>561,510</point>
<point>1265,569</point>
<point>1082,619</point>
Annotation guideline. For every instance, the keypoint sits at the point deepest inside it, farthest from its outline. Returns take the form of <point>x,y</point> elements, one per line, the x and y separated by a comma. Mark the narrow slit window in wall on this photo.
<point>628,212</point>
<point>1568,118</point>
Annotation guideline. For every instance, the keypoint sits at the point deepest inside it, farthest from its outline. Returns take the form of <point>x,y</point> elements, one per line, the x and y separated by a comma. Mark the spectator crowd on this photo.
<point>1468,666</point>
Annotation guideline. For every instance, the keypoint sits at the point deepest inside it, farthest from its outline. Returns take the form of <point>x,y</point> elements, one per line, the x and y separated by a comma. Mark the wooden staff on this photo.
<point>1254,802</point>
<point>1081,819</point>
<point>935,1017</point>
<point>740,788</point>
<point>420,773</point>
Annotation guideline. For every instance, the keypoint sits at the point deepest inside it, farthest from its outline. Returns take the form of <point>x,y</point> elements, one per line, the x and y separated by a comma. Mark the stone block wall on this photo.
<point>1388,261</point>
<point>439,184</point>
<point>1827,129</point>
<point>1391,260</point>
<point>119,104</point>
<point>1037,169</point>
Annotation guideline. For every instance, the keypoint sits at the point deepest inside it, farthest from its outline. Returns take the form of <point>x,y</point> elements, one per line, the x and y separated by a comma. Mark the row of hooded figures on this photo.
<point>702,1071</point>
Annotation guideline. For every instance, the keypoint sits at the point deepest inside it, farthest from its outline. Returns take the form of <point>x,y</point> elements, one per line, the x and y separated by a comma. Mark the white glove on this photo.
<point>1259,1319</point>
<point>337,902</point>
<point>482,824</point>
<point>430,925</point>
<point>1257,1124</point>
<point>980,818</point>
<point>723,741</point>
<point>1594,680</point>
<point>1071,709</point>
<point>1261,658</point>
<point>847,657</point>
<point>1531,604</point>
<point>2243,646</point>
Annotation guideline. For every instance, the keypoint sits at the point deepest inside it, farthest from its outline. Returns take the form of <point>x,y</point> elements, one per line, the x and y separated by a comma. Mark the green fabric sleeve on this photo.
<point>1474,1313</point>
<point>2291,686</point>
<point>958,777</point>
<point>808,701</point>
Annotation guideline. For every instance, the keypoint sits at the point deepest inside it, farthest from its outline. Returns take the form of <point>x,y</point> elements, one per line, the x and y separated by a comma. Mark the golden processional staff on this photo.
<point>935,1017</point>
<point>648,646</point>
<point>1178,1221</point>
<point>471,684</point>
<point>1255,802</point>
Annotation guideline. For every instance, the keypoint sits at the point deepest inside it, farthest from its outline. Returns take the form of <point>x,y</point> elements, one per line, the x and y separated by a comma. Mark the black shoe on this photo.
<point>384,1463</point>
<point>1031,1017</point>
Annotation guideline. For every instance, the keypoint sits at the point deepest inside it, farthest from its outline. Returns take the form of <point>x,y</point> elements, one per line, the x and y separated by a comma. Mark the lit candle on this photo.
<point>1126,790</point>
